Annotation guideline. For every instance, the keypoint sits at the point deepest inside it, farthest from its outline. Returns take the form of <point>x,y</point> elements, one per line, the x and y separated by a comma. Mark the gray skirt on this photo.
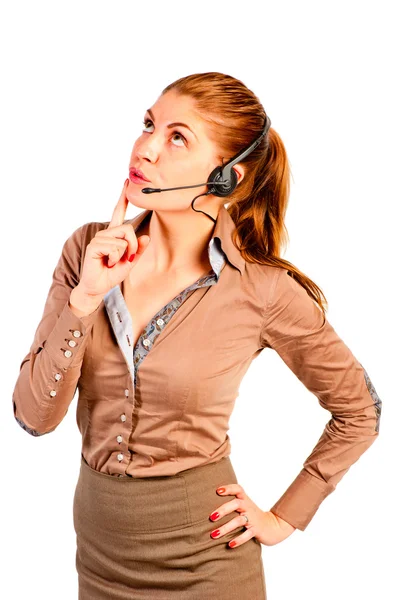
<point>149,538</point>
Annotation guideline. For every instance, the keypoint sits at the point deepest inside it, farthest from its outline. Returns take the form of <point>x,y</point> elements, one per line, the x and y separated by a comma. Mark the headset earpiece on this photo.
<point>228,186</point>
<point>226,174</point>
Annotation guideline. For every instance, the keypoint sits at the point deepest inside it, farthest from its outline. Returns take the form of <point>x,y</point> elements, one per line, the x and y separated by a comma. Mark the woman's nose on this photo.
<point>146,154</point>
<point>146,149</point>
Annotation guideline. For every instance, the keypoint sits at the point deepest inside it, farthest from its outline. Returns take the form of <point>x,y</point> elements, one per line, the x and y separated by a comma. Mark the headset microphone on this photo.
<point>149,190</point>
<point>224,176</point>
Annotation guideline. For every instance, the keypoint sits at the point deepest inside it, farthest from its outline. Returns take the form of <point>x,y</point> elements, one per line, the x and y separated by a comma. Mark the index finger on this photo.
<point>118,216</point>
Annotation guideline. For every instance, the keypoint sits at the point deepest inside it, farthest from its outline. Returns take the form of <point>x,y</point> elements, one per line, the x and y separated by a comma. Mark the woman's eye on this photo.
<point>174,133</point>
<point>145,122</point>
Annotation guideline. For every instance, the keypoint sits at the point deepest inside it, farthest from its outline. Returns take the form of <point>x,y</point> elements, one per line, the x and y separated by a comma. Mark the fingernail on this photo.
<point>232,544</point>
<point>131,257</point>
<point>215,533</point>
<point>220,490</point>
<point>214,516</point>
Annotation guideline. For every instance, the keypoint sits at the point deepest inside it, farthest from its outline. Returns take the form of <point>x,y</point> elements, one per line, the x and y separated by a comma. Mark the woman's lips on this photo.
<point>135,179</point>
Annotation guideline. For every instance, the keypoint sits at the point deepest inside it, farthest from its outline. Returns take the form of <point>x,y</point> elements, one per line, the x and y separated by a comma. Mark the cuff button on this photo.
<point>53,393</point>
<point>68,353</point>
<point>76,333</point>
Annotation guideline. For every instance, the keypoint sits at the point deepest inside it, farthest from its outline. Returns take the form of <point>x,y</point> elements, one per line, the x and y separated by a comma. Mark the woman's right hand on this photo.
<point>106,261</point>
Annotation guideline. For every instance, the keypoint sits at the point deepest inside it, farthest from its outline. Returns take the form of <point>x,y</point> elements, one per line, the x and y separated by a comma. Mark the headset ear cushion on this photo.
<point>225,189</point>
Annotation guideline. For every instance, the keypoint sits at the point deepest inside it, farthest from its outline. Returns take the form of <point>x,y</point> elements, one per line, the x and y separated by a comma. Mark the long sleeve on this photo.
<point>50,371</point>
<point>295,327</point>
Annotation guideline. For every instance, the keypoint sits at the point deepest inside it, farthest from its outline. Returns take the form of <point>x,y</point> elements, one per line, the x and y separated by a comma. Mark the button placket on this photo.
<point>119,438</point>
<point>120,320</point>
<point>123,415</point>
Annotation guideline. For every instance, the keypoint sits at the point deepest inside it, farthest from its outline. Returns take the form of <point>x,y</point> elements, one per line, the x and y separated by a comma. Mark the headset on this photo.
<point>223,176</point>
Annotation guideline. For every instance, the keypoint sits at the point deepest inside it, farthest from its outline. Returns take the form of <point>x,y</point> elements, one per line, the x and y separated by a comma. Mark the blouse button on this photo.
<point>126,392</point>
<point>68,353</point>
<point>57,376</point>
<point>119,438</point>
<point>120,457</point>
<point>123,417</point>
<point>77,333</point>
<point>71,343</point>
<point>160,322</point>
<point>53,393</point>
<point>146,343</point>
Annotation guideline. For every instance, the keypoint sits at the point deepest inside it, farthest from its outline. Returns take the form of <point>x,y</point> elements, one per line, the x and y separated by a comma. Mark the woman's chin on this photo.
<point>137,199</point>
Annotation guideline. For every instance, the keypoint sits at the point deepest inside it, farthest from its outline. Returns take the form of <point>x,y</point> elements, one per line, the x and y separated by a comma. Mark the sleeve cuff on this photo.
<point>302,499</point>
<point>67,340</point>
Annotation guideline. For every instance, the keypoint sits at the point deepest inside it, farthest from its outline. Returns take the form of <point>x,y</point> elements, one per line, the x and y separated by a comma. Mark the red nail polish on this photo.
<point>214,516</point>
<point>215,533</point>
<point>220,490</point>
<point>232,544</point>
<point>131,257</point>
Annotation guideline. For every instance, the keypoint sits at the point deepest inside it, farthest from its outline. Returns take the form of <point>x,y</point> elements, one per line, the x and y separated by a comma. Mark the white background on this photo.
<point>76,79</point>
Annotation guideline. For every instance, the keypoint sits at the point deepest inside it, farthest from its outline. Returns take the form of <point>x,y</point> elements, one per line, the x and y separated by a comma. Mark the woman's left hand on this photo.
<point>265,526</point>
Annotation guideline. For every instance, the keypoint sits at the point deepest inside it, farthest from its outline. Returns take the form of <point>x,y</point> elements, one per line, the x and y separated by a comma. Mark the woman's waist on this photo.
<point>152,503</point>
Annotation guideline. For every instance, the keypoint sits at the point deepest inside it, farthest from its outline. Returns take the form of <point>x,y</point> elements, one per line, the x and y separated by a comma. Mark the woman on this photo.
<point>156,320</point>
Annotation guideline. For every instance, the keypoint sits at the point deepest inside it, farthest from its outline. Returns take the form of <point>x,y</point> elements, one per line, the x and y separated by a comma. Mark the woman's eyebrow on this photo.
<point>171,124</point>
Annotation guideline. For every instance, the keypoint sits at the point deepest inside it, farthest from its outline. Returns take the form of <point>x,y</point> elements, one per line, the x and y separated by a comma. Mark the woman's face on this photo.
<point>171,156</point>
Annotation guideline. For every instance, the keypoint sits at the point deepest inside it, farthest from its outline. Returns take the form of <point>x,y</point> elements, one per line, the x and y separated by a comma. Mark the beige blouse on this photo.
<point>164,406</point>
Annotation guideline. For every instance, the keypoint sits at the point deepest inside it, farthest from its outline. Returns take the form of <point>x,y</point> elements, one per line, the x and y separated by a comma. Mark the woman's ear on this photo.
<point>240,173</point>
